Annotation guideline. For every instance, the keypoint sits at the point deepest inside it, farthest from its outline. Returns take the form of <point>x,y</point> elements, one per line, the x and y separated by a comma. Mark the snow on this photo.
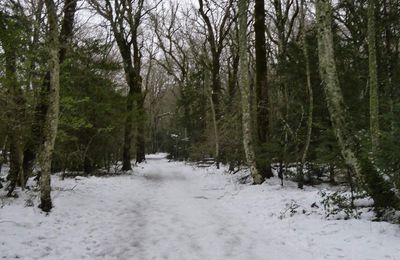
<point>171,210</point>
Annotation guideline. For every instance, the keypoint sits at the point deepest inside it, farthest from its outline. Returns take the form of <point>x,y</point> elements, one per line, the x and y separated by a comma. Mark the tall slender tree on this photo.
<point>303,32</point>
<point>216,36</point>
<point>373,77</point>
<point>51,118</point>
<point>284,20</point>
<point>261,86</point>
<point>125,18</point>
<point>10,34</point>
<point>245,93</point>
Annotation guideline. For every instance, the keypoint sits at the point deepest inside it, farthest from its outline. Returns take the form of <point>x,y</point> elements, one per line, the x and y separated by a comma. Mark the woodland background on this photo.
<point>307,90</point>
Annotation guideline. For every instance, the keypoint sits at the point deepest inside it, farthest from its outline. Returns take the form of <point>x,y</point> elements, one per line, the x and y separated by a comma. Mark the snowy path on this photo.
<point>172,211</point>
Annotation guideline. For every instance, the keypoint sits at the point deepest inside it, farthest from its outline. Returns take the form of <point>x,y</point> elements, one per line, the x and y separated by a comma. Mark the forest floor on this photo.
<point>171,210</point>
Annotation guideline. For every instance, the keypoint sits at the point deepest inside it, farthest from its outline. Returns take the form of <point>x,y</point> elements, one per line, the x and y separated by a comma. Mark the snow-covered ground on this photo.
<point>169,210</point>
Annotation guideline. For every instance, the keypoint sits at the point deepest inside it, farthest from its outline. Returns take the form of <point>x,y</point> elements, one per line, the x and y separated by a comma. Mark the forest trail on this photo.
<point>169,210</point>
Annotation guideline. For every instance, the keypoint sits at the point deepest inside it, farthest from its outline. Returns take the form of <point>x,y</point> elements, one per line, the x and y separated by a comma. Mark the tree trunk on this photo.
<point>215,37</point>
<point>51,119</point>
<point>33,141</point>
<point>263,163</point>
<point>216,132</point>
<point>245,93</point>
<point>3,156</point>
<point>87,165</point>
<point>67,27</point>
<point>391,57</point>
<point>140,131</point>
<point>216,84</point>
<point>135,96</point>
<point>125,18</point>
<point>309,92</point>
<point>139,101</point>
<point>215,104</point>
<point>126,153</point>
<point>377,185</point>
<point>233,69</point>
<point>15,112</point>
<point>373,78</point>
<point>36,134</point>
<point>134,93</point>
<point>16,174</point>
<point>214,119</point>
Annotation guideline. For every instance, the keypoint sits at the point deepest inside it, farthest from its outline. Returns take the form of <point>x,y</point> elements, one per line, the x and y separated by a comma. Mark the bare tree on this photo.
<point>125,18</point>
<point>217,29</point>
<point>171,41</point>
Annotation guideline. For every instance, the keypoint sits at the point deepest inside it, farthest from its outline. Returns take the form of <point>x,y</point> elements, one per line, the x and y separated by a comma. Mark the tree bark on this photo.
<point>309,92</point>
<point>216,132</point>
<point>245,93</point>
<point>263,163</point>
<point>391,58</point>
<point>233,68</point>
<point>51,119</point>
<point>16,174</point>
<point>135,96</point>
<point>140,132</point>
<point>139,97</point>
<point>3,156</point>
<point>376,184</point>
<point>214,119</point>
<point>126,153</point>
<point>373,78</point>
